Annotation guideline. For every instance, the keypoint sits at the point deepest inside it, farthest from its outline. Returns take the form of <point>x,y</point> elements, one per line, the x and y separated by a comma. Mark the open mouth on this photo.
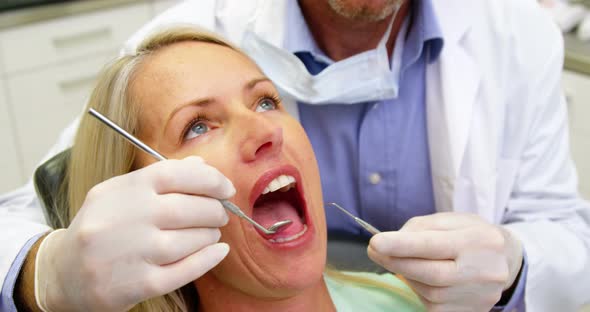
<point>280,199</point>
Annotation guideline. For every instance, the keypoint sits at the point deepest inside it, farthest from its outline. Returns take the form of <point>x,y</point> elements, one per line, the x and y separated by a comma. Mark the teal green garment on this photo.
<point>351,296</point>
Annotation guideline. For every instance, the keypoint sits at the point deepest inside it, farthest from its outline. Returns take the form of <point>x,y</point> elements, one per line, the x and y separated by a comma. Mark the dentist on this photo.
<point>441,123</point>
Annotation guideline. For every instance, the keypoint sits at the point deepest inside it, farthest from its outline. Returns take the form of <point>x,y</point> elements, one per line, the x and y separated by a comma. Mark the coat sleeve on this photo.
<point>21,215</point>
<point>545,210</point>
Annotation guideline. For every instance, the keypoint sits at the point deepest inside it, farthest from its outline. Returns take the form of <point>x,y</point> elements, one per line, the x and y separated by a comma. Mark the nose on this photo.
<point>261,138</point>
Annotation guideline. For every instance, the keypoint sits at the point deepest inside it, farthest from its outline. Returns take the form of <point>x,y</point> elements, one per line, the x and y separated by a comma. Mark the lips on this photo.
<point>277,196</point>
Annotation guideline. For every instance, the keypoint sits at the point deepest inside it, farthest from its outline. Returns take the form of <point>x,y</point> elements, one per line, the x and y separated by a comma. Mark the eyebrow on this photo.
<point>206,101</point>
<point>198,103</point>
<point>250,85</point>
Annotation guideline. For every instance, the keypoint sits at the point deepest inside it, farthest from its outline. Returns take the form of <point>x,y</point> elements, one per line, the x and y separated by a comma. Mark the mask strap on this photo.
<point>385,37</point>
<point>251,24</point>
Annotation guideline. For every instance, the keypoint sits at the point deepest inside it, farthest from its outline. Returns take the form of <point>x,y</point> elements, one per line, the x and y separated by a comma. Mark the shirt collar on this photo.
<point>298,36</point>
<point>425,33</point>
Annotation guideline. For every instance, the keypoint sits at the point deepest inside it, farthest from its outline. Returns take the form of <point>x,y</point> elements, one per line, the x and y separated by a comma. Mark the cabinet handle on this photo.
<point>76,84</point>
<point>86,37</point>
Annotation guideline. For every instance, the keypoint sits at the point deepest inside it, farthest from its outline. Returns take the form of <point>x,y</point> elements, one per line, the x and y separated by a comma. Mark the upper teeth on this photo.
<point>279,182</point>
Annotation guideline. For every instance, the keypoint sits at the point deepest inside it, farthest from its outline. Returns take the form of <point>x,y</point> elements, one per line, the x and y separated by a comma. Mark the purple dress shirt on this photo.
<point>373,156</point>
<point>6,297</point>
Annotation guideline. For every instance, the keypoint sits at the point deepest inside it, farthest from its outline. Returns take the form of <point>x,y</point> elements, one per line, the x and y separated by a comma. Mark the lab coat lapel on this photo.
<point>452,83</point>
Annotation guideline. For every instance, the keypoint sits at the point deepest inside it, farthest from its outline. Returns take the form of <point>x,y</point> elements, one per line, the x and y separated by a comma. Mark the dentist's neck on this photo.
<point>341,37</point>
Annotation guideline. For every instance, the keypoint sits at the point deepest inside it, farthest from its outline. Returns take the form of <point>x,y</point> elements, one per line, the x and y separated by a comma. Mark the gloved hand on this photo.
<point>453,261</point>
<point>137,236</point>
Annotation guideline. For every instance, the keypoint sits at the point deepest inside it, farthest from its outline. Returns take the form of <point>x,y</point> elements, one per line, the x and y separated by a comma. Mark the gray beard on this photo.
<point>363,13</point>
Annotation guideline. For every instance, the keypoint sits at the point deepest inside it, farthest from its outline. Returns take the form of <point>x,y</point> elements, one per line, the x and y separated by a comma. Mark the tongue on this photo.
<point>271,212</point>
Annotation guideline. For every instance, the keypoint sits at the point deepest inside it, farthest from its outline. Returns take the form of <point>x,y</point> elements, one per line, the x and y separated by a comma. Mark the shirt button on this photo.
<point>376,106</point>
<point>375,178</point>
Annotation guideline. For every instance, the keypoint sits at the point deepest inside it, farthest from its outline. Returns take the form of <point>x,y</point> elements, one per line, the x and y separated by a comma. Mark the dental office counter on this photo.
<point>577,54</point>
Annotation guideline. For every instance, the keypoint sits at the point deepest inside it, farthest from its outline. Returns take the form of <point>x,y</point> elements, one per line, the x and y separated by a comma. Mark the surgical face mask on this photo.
<point>361,78</point>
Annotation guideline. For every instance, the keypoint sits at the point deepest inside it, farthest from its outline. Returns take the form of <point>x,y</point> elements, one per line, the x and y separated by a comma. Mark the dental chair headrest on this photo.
<point>50,181</point>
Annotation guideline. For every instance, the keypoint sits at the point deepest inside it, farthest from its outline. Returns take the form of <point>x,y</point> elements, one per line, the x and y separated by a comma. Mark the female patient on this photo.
<point>187,93</point>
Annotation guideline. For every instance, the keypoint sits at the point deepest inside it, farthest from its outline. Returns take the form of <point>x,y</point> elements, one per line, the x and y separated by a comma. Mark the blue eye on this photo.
<point>266,104</point>
<point>196,129</point>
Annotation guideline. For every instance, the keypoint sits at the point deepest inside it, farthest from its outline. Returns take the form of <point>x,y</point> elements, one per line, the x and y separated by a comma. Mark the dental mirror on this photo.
<point>238,212</point>
<point>278,225</point>
<point>224,202</point>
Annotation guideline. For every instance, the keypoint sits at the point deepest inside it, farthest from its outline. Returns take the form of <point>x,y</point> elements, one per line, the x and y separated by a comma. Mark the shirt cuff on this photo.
<point>7,292</point>
<point>516,302</point>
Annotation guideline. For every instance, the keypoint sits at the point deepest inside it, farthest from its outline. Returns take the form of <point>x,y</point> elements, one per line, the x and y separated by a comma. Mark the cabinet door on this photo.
<point>10,162</point>
<point>160,6</point>
<point>45,102</point>
<point>61,40</point>
<point>577,90</point>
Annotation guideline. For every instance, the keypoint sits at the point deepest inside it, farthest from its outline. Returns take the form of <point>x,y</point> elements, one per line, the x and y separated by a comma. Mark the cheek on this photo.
<point>305,156</point>
<point>297,138</point>
<point>302,152</point>
<point>233,264</point>
<point>214,151</point>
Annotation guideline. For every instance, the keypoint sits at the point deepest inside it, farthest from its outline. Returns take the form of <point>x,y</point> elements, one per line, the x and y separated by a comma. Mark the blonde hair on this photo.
<point>99,153</point>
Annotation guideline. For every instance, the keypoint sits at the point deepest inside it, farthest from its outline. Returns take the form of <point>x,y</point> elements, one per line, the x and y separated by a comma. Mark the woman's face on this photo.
<point>208,100</point>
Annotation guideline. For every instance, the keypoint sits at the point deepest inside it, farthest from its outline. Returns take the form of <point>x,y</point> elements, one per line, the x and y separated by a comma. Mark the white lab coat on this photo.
<point>497,128</point>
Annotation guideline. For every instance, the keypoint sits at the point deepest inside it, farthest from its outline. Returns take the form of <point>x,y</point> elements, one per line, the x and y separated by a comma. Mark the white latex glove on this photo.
<point>137,236</point>
<point>453,261</point>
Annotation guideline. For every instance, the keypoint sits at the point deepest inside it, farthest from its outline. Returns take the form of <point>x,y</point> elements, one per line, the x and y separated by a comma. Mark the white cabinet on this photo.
<point>50,68</point>
<point>160,6</point>
<point>577,89</point>
<point>56,41</point>
<point>46,101</point>
<point>10,165</point>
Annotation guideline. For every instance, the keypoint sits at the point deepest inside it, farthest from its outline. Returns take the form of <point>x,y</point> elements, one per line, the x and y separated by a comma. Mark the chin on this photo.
<point>289,261</point>
<point>293,277</point>
<point>264,271</point>
<point>296,255</point>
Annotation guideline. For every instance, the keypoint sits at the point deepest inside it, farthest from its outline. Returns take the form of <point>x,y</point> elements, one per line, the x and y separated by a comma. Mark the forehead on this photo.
<point>195,66</point>
<point>184,71</point>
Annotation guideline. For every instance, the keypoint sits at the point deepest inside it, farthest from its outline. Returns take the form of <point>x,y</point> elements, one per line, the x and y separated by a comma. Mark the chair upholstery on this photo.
<point>348,252</point>
<point>49,179</point>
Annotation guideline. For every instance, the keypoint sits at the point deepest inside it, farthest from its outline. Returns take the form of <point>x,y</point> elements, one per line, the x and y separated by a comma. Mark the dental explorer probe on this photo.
<point>371,229</point>
<point>224,202</point>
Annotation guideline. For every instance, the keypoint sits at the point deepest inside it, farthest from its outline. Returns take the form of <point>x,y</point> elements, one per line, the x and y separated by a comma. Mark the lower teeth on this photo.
<point>290,238</point>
